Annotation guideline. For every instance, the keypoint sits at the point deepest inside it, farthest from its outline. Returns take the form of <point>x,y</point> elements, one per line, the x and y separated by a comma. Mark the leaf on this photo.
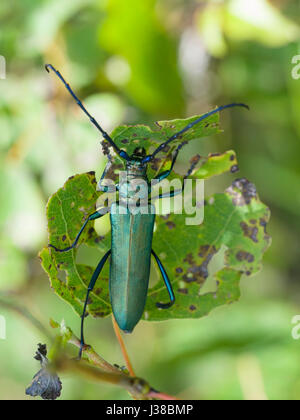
<point>235,219</point>
<point>130,137</point>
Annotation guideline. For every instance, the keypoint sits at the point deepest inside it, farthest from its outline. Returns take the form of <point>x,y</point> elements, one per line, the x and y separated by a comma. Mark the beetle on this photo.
<point>131,232</point>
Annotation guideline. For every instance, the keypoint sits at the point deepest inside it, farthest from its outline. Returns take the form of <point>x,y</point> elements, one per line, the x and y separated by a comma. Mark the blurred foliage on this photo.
<point>153,60</point>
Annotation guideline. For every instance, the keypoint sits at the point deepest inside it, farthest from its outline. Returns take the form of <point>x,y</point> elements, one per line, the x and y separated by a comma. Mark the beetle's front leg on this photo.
<point>93,216</point>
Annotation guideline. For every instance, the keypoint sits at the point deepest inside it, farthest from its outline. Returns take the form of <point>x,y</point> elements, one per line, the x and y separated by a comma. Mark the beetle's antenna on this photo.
<point>188,127</point>
<point>120,152</point>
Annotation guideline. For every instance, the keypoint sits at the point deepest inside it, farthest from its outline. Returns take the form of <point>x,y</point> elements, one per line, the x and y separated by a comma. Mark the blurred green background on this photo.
<point>138,61</point>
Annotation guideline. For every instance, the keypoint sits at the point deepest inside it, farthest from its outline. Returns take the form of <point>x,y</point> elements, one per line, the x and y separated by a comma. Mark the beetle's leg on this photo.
<point>93,216</point>
<point>167,283</point>
<point>94,278</point>
<point>176,192</point>
<point>161,176</point>
<point>120,152</point>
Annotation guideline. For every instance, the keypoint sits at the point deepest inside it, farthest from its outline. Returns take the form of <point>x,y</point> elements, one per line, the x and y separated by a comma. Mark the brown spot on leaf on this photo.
<point>242,192</point>
<point>234,169</point>
<point>64,238</point>
<point>189,259</point>
<point>232,157</point>
<point>100,314</point>
<point>192,308</point>
<point>171,225</point>
<point>184,291</point>
<point>195,159</point>
<point>199,273</point>
<point>245,256</point>
<point>99,239</point>
<point>179,270</point>
<point>249,231</point>
<point>98,291</point>
<point>203,250</point>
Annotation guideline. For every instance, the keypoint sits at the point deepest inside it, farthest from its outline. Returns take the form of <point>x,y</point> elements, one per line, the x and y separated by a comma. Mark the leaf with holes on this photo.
<point>235,220</point>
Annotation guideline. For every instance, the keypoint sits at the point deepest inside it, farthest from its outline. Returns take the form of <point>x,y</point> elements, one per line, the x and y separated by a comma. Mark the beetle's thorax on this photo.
<point>135,169</point>
<point>134,183</point>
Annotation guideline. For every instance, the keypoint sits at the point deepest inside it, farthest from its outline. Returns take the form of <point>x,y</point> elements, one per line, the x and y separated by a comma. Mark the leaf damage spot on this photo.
<point>171,225</point>
<point>249,231</point>
<point>234,169</point>
<point>184,291</point>
<point>245,256</point>
<point>242,192</point>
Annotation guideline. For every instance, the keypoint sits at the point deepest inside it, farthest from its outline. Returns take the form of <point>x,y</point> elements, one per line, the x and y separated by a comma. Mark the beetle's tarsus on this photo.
<point>60,250</point>
<point>164,305</point>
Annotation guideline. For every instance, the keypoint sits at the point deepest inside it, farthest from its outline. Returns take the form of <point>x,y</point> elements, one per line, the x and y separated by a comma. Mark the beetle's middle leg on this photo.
<point>93,216</point>
<point>165,174</point>
<point>167,283</point>
<point>94,278</point>
<point>162,175</point>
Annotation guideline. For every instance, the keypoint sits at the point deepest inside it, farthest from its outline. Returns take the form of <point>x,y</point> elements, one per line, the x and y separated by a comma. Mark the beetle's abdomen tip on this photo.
<point>127,331</point>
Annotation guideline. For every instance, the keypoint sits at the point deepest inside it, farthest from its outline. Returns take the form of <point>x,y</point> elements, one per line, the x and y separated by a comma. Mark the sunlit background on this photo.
<point>138,61</point>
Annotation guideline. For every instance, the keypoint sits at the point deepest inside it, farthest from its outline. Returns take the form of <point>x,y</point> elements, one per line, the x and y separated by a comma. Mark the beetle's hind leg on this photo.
<point>94,278</point>
<point>167,283</point>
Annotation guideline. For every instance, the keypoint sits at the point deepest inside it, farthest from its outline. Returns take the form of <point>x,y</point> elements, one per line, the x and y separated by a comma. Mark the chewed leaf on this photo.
<point>217,164</point>
<point>130,137</point>
<point>235,220</point>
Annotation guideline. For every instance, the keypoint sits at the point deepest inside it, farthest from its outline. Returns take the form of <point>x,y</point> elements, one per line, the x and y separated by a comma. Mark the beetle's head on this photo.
<point>136,160</point>
<point>138,154</point>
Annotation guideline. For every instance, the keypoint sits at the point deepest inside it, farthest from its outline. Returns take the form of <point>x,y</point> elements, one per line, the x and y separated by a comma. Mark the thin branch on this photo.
<point>92,357</point>
<point>122,346</point>
<point>138,388</point>
<point>100,369</point>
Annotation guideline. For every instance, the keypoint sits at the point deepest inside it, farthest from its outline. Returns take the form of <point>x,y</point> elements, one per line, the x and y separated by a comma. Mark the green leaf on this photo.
<point>235,220</point>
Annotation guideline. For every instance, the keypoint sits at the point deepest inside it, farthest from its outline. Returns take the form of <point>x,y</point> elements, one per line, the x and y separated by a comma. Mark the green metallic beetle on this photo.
<point>131,231</point>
